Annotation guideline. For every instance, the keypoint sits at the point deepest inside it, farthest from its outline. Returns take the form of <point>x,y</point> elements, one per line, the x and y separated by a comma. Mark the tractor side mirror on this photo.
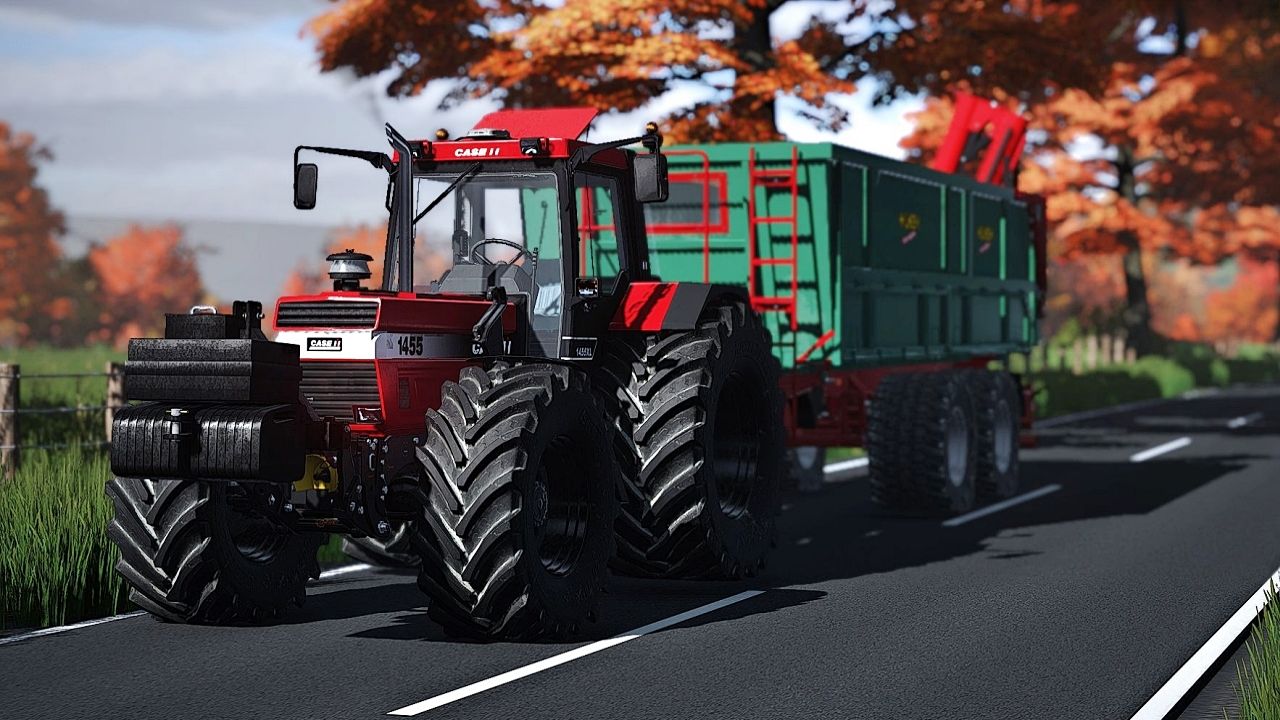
<point>651,177</point>
<point>305,178</point>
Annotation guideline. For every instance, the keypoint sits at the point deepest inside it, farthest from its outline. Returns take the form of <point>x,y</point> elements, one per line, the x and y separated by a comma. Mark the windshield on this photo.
<point>518,209</point>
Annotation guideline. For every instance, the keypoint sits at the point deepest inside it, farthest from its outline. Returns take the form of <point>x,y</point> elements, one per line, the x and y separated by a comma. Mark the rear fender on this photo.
<point>663,306</point>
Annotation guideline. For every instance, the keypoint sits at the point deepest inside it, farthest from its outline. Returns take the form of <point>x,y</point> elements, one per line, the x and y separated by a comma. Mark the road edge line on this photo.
<point>1002,505</point>
<point>59,629</point>
<point>844,465</point>
<point>476,688</point>
<point>1162,449</point>
<point>1176,688</point>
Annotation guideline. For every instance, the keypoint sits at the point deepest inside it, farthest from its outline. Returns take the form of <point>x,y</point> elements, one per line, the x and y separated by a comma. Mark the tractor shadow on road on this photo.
<point>839,534</point>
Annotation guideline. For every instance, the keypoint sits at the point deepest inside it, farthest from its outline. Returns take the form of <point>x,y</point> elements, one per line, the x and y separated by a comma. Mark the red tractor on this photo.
<point>517,399</point>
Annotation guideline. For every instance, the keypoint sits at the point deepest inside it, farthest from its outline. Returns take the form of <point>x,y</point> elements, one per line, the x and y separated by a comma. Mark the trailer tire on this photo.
<point>889,443</point>
<point>921,438</point>
<point>996,404</point>
<point>709,451</point>
<point>190,556</point>
<point>517,504</point>
<point>394,552</point>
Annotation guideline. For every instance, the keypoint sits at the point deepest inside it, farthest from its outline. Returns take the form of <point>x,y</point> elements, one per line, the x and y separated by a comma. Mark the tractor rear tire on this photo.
<point>198,552</point>
<point>708,439</point>
<point>518,503</point>
<point>394,552</point>
<point>925,433</point>
<point>997,405</point>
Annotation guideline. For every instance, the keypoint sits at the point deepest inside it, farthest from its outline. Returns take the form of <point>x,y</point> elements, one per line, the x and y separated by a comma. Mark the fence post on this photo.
<point>115,394</point>
<point>1077,356</point>
<point>9,375</point>
<point>1091,358</point>
<point>1105,351</point>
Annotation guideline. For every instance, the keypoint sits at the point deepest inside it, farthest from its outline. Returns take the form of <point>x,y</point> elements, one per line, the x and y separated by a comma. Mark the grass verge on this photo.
<point>56,563</point>
<point>1258,679</point>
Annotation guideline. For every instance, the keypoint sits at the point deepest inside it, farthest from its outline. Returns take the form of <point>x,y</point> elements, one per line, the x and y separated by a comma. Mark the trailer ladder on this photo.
<point>773,179</point>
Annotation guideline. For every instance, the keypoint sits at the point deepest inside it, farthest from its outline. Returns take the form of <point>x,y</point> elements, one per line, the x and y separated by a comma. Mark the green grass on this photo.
<point>1258,683</point>
<point>56,563</point>
<point>37,393</point>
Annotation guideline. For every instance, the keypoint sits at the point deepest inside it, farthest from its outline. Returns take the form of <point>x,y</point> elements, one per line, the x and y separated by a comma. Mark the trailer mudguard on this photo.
<point>663,306</point>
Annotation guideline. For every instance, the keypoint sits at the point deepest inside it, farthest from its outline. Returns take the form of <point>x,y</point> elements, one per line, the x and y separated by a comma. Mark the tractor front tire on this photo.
<point>708,437</point>
<point>518,503</point>
<point>202,552</point>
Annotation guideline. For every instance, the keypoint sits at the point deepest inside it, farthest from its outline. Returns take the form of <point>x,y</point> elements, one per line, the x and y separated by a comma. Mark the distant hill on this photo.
<point>238,260</point>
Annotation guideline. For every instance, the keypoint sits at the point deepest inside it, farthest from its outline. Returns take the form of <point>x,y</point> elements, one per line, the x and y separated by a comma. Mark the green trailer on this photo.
<point>888,288</point>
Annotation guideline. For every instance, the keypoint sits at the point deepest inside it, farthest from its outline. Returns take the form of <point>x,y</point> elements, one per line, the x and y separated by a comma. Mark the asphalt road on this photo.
<point>1079,603</point>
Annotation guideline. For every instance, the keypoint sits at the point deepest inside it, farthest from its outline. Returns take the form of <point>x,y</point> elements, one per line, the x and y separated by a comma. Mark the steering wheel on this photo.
<point>522,251</point>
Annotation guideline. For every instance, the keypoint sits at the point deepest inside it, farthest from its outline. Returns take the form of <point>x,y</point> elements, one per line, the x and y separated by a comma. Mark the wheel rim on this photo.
<point>1003,439</point>
<point>736,438</point>
<point>806,456</point>
<point>560,507</point>
<point>957,447</point>
<point>256,537</point>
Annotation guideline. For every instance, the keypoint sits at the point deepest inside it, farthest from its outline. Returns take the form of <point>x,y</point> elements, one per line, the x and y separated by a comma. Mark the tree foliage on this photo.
<point>29,252</point>
<point>141,274</point>
<point>621,55</point>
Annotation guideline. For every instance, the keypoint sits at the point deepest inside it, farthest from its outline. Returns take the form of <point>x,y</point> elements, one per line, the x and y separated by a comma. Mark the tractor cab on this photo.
<point>516,214</point>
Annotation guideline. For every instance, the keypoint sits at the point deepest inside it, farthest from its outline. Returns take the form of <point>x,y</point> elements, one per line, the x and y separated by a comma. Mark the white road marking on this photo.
<point>1161,449</point>
<point>345,569</point>
<point>1237,423</point>
<point>1173,691</point>
<point>566,657</point>
<point>1002,505</point>
<point>43,632</point>
<point>845,465</point>
<point>64,628</point>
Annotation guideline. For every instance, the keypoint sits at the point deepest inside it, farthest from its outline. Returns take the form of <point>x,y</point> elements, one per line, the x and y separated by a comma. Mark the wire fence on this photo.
<point>12,411</point>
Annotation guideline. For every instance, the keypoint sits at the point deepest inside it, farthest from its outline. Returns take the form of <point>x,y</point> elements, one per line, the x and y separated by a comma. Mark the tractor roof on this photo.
<point>521,135</point>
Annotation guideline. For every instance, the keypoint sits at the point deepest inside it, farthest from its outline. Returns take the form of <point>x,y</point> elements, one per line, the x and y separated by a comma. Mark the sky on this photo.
<point>157,110</point>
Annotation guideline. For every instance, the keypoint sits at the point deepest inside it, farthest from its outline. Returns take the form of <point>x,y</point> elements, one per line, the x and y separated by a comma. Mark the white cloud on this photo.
<point>220,14</point>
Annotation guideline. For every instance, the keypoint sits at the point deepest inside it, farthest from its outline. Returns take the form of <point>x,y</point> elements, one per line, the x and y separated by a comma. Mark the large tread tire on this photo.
<point>997,405</point>
<point>183,564</point>
<point>703,401</point>
<point>394,552</point>
<point>513,454</point>
<point>926,436</point>
<point>889,443</point>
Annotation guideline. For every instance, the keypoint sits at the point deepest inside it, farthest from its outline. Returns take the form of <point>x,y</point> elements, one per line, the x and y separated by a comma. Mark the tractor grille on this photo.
<point>327,314</point>
<point>333,387</point>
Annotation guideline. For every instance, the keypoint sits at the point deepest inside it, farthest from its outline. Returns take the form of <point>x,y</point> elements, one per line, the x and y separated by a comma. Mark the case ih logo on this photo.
<point>324,344</point>
<point>476,152</point>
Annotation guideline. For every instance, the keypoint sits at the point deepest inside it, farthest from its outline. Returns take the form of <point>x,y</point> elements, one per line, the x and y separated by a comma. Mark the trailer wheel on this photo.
<point>709,447</point>
<point>518,503</point>
<point>922,440</point>
<point>889,442</point>
<point>394,552</point>
<point>806,463</point>
<point>996,404</point>
<point>207,552</point>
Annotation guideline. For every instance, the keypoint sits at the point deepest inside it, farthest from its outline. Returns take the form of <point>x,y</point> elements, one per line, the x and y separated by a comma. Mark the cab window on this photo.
<point>598,250</point>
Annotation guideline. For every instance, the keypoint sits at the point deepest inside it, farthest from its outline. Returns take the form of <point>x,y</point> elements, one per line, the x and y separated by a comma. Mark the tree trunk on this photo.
<point>1137,312</point>
<point>753,43</point>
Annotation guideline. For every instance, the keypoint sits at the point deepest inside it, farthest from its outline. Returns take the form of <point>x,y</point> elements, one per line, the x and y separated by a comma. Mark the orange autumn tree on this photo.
<point>430,259</point>
<point>1177,128</point>
<point>141,274</point>
<point>621,55</point>
<point>29,252</point>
